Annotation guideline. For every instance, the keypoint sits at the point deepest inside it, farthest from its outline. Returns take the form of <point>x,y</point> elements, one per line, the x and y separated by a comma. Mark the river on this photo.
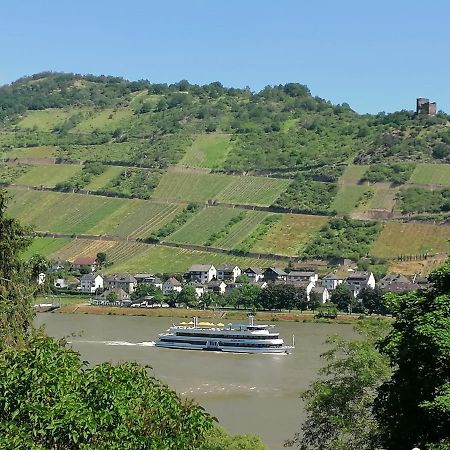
<point>247,393</point>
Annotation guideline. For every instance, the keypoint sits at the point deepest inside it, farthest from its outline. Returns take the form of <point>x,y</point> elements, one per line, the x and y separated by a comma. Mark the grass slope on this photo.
<point>48,175</point>
<point>47,151</point>
<point>45,120</point>
<point>45,246</point>
<point>208,150</point>
<point>431,174</point>
<point>100,181</point>
<point>347,198</point>
<point>108,119</point>
<point>290,235</point>
<point>411,239</point>
<point>353,173</point>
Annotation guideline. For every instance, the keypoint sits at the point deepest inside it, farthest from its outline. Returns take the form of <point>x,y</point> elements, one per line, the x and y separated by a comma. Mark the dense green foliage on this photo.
<point>343,238</point>
<point>396,173</point>
<point>50,400</point>
<point>422,200</point>
<point>136,183</point>
<point>308,196</point>
<point>8,173</point>
<point>225,230</point>
<point>413,407</point>
<point>339,403</point>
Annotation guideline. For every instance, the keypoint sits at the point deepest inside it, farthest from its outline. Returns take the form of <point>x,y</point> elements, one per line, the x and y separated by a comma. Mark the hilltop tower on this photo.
<point>424,106</point>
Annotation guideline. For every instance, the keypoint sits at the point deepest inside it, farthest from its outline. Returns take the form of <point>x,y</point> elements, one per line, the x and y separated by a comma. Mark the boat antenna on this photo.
<point>293,340</point>
<point>250,318</point>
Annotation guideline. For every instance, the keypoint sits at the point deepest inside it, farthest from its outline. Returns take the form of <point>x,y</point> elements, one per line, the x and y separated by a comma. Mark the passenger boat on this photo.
<point>237,338</point>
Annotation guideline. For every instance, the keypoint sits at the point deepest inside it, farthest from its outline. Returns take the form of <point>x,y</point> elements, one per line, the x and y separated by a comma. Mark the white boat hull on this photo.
<point>228,348</point>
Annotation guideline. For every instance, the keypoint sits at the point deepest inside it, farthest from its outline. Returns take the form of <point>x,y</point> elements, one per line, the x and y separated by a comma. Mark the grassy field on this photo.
<point>353,173</point>
<point>166,259</point>
<point>412,238</point>
<point>290,235</point>
<point>248,190</point>
<point>10,172</point>
<point>136,218</point>
<point>122,151</point>
<point>208,150</point>
<point>190,186</point>
<point>30,152</point>
<point>384,198</point>
<point>45,120</point>
<point>207,222</point>
<point>431,174</point>
<point>48,175</point>
<point>106,120</point>
<point>347,198</point>
<point>44,246</point>
<point>242,229</point>
<point>100,181</point>
<point>81,247</point>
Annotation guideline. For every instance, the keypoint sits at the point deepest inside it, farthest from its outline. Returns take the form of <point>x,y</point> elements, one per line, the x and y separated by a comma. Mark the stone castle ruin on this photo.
<point>424,106</point>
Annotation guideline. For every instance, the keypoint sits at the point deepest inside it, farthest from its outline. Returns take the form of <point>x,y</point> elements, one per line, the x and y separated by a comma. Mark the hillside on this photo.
<point>98,157</point>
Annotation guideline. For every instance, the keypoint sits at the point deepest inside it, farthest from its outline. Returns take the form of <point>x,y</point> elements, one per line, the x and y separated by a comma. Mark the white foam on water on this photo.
<point>115,343</point>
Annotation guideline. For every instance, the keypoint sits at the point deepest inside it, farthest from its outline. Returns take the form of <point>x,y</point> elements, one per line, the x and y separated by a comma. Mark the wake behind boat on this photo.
<point>238,338</point>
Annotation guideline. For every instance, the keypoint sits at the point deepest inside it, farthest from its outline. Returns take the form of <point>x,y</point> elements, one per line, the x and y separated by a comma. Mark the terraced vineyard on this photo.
<point>203,225</point>
<point>352,174</point>
<point>82,247</point>
<point>383,199</point>
<point>242,229</point>
<point>411,238</point>
<point>45,246</point>
<point>135,218</point>
<point>108,119</point>
<point>30,152</point>
<point>248,190</point>
<point>290,235</point>
<point>48,175</point>
<point>190,186</point>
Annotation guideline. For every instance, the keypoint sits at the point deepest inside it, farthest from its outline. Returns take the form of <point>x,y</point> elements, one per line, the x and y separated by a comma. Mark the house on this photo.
<point>60,283</point>
<point>85,261</point>
<point>272,274</point>
<point>91,283</point>
<point>120,295</point>
<point>202,273</point>
<point>254,273</point>
<point>170,285</point>
<point>121,281</point>
<point>397,287</point>
<point>200,288</point>
<point>391,278</point>
<point>228,272</point>
<point>357,281</point>
<point>332,281</point>
<point>216,287</point>
<point>144,278</point>
<point>302,276</point>
<point>321,293</point>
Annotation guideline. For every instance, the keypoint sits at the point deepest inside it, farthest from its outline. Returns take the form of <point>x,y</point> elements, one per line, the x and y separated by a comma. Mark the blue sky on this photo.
<point>377,55</point>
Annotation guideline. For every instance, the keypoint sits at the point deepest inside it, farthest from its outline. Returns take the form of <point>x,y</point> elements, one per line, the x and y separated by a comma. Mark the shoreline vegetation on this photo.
<point>183,313</point>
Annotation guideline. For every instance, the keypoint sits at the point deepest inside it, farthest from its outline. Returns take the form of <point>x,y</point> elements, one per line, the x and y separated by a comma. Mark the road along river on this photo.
<point>247,393</point>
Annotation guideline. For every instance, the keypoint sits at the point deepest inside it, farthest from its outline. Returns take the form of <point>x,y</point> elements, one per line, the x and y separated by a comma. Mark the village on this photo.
<point>208,285</point>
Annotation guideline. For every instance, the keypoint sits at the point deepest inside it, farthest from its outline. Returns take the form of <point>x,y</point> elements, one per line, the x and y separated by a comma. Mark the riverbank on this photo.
<point>218,315</point>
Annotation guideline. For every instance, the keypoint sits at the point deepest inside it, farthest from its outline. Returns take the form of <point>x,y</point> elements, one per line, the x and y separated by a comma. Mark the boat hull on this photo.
<point>228,348</point>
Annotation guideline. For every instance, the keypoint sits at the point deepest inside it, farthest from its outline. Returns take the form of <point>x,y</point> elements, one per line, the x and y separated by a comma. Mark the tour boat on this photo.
<point>237,338</point>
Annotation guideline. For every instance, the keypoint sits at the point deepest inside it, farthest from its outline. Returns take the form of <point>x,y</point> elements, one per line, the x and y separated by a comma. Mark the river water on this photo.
<point>247,393</point>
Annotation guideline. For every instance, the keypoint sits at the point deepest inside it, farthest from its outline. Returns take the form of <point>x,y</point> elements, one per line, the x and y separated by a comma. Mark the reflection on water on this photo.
<point>247,393</point>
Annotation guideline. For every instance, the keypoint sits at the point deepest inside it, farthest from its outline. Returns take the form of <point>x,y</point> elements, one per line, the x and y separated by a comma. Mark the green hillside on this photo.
<point>158,148</point>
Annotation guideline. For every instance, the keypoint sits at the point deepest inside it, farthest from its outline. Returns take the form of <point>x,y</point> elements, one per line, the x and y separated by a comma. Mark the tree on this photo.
<point>283,296</point>
<point>15,293</point>
<point>208,299</point>
<point>187,297</point>
<point>372,300</point>
<point>342,297</point>
<point>49,399</point>
<point>339,404</point>
<point>101,259</point>
<point>245,295</point>
<point>413,407</point>
<point>111,297</point>
<point>147,290</point>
